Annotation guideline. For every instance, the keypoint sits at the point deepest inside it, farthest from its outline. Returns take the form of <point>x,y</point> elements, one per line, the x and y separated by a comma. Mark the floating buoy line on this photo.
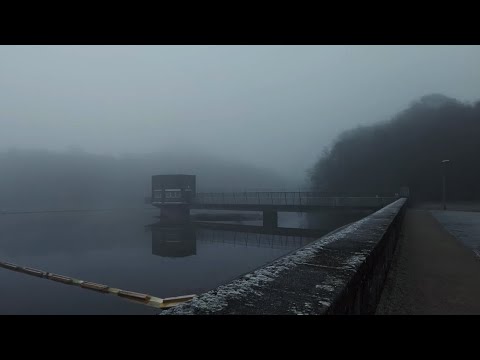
<point>144,299</point>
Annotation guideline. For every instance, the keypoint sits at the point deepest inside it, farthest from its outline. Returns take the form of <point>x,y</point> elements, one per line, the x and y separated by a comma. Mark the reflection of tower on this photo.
<point>173,241</point>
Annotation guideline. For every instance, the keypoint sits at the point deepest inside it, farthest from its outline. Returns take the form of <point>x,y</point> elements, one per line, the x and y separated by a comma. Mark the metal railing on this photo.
<point>290,198</point>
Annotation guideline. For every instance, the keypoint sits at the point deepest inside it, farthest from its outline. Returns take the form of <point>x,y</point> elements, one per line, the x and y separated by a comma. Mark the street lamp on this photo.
<point>444,162</point>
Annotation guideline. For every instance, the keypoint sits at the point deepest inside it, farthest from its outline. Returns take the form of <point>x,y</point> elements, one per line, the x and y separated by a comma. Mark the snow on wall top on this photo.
<point>254,284</point>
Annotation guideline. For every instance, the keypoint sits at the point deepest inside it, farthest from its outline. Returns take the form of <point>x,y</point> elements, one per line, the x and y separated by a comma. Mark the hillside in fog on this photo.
<point>407,151</point>
<point>75,179</point>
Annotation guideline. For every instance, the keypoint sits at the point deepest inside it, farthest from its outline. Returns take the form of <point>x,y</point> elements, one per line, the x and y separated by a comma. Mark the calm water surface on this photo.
<point>122,249</point>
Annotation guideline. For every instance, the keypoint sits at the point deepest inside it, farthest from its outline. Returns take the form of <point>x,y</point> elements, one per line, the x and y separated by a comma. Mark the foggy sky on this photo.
<point>272,106</point>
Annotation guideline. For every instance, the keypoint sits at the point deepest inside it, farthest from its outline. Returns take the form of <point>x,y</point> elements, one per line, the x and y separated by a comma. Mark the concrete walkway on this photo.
<point>432,272</point>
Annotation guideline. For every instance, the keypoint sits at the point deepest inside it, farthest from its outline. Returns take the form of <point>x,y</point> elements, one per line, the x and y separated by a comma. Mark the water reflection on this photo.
<point>170,241</point>
<point>181,241</point>
<point>257,240</point>
<point>116,248</point>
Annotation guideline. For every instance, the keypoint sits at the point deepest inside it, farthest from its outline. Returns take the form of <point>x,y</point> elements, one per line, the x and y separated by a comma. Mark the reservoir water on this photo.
<point>127,249</point>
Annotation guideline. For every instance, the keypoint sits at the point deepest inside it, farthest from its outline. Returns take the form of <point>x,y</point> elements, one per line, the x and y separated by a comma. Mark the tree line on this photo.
<point>408,150</point>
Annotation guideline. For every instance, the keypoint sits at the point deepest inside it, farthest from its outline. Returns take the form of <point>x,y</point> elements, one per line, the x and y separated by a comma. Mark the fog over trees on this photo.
<point>41,179</point>
<point>407,150</point>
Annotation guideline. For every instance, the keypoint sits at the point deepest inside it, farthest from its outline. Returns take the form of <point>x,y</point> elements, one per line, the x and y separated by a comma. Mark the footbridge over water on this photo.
<point>175,195</point>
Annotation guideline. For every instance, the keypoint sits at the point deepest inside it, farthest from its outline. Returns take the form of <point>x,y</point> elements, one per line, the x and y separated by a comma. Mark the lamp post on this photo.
<point>444,162</point>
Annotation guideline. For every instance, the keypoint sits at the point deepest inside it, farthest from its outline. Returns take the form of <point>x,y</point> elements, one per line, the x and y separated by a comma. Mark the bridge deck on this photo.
<point>285,201</point>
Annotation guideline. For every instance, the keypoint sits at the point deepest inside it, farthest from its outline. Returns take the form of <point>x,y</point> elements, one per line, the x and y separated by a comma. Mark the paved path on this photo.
<point>432,272</point>
<point>463,225</point>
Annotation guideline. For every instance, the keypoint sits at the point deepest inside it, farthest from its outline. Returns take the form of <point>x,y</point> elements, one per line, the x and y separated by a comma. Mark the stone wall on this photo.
<point>341,273</point>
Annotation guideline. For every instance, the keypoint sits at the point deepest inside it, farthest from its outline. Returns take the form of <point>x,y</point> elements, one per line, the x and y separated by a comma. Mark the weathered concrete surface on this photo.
<point>432,272</point>
<point>270,219</point>
<point>342,272</point>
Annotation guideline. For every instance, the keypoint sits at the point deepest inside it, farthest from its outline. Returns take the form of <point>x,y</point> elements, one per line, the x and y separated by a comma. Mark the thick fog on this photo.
<point>271,106</point>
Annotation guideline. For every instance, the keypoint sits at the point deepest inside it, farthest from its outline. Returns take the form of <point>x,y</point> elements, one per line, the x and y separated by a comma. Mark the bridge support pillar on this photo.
<point>270,219</point>
<point>175,214</point>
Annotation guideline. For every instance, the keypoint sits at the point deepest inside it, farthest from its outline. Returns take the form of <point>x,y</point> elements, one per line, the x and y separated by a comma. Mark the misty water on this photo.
<point>129,250</point>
